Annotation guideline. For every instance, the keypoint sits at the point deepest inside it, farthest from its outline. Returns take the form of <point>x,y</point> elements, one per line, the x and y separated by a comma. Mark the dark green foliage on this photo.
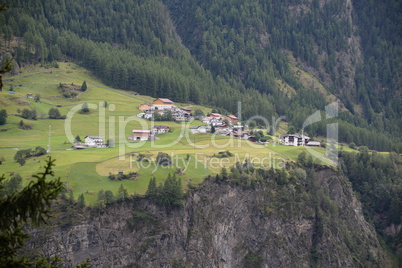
<point>3,117</point>
<point>25,126</point>
<point>122,193</point>
<point>252,260</point>
<point>21,161</point>
<point>169,194</point>
<point>85,109</point>
<point>109,197</point>
<point>377,179</point>
<point>302,158</point>
<point>119,177</point>
<point>28,206</point>
<point>37,97</point>
<point>230,53</point>
<point>163,159</point>
<point>84,86</point>
<point>22,154</point>
<point>152,191</point>
<point>78,139</point>
<point>352,145</point>
<point>81,201</point>
<point>167,116</point>
<point>140,219</point>
<point>28,114</point>
<point>212,130</point>
<point>54,113</point>
<point>11,186</point>
<point>101,202</point>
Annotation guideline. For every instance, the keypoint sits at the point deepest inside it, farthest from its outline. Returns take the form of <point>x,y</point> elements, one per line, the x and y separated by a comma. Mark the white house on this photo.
<point>294,139</point>
<point>94,141</point>
<point>160,129</point>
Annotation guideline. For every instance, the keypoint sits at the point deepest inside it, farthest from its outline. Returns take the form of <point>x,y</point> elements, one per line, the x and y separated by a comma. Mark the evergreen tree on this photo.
<point>152,190</point>
<point>109,197</point>
<point>3,117</point>
<point>81,201</point>
<point>28,206</point>
<point>84,86</point>
<point>122,193</point>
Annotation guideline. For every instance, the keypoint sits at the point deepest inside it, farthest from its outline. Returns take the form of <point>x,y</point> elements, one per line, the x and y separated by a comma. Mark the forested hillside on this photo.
<point>217,53</point>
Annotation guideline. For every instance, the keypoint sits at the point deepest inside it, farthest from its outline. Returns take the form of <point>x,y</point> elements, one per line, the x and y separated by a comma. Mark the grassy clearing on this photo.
<point>86,171</point>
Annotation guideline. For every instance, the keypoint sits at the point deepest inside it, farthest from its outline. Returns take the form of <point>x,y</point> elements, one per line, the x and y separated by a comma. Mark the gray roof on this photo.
<point>94,137</point>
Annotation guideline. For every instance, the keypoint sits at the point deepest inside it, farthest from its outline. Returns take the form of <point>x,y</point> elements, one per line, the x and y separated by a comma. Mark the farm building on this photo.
<point>314,144</point>
<point>140,135</point>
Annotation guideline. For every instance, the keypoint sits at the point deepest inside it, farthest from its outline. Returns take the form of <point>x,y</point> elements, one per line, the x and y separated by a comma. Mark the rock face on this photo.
<point>272,224</point>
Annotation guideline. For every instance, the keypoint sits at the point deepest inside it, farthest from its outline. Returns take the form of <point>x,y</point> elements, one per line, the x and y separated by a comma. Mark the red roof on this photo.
<point>215,115</point>
<point>232,117</point>
<point>164,100</point>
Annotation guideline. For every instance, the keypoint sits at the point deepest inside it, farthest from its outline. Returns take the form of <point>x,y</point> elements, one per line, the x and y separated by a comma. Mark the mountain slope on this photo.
<point>217,53</point>
<point>228,225</point>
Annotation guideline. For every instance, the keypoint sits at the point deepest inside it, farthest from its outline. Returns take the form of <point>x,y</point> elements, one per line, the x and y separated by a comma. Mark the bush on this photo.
<point>54,113</point>
<point>25,126</point>
<point>28,114</point>
<point>163,159</point>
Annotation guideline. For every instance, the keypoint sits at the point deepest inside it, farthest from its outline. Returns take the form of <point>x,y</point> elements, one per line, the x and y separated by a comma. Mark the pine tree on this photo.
<point>84,86</point>
<point>122,193</point>
<point>81,201</point>
<point>152,189</point>
<point>29,206</point>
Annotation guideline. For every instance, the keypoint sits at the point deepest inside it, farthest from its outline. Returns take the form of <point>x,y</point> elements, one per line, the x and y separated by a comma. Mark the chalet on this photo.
<point>94,141</point>
<point>294,139</point>
<point>160,129</point>
<point>232,119</point>
<point>163,104</point>
<point>215,115</point>
<point>146,107</point>
<point>140,135</point>
<point>200,129</point>
<point>314,144</point>
<point>30,95</point>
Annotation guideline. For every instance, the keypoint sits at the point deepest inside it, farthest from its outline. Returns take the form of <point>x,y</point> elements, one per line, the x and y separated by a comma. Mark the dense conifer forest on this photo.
<point>217,53</point>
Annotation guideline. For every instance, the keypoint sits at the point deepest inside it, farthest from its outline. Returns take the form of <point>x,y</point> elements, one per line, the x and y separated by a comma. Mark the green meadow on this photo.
<point>86,171</point>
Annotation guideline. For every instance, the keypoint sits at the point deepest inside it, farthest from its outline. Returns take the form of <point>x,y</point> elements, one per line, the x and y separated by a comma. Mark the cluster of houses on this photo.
<point>214,122</point>
<point>162,106</point>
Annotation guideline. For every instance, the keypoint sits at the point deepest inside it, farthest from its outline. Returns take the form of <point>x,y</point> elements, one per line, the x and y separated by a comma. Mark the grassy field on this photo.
<point>86,171</point>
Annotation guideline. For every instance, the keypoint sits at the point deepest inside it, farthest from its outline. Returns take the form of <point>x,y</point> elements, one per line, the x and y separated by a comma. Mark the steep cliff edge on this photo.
<point>292,223</point>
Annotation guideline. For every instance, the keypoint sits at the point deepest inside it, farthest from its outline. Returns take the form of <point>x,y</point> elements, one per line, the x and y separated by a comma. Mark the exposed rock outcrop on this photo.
<point>272,224</point>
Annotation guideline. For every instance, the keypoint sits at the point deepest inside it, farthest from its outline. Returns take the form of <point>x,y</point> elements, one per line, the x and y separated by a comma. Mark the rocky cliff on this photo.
<point>293,223</point>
